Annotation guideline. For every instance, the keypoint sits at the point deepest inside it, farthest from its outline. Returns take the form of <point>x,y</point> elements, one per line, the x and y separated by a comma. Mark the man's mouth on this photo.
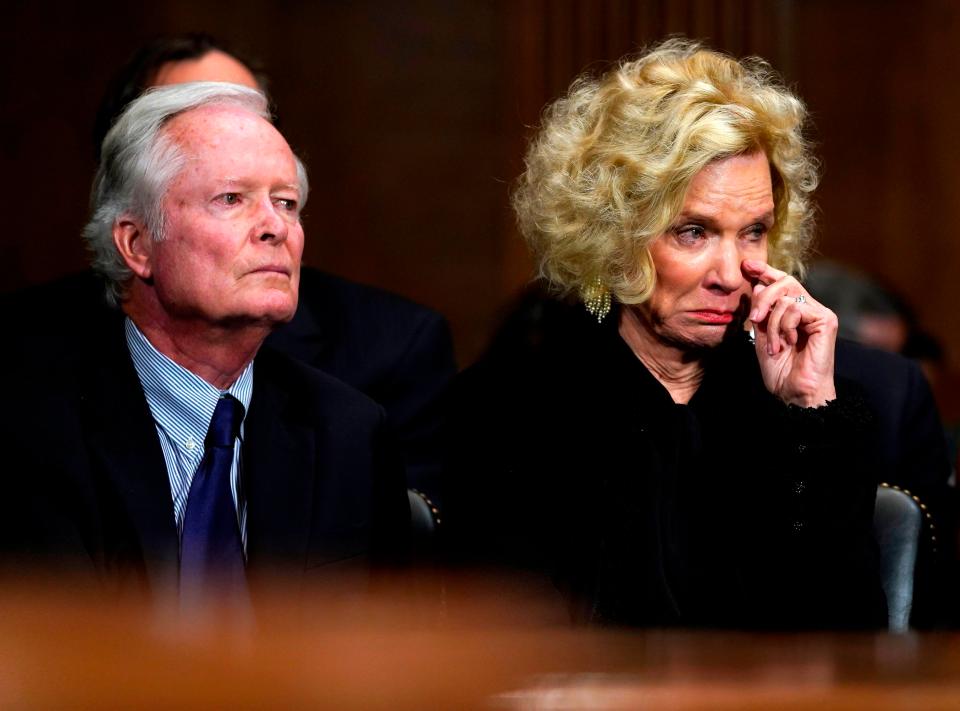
<point>271,269</point>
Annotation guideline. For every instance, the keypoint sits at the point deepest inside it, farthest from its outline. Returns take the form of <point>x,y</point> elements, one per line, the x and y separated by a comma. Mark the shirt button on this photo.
<point>190,444</point>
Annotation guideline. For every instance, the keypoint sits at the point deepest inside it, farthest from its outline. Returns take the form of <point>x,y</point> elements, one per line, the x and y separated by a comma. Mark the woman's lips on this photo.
<point>713,317</point>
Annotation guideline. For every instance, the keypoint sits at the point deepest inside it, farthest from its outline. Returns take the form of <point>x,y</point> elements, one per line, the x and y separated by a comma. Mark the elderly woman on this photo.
<point>677,449</point>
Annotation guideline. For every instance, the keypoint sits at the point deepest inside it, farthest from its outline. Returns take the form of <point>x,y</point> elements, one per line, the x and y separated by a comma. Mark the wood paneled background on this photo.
<point>412,116</point>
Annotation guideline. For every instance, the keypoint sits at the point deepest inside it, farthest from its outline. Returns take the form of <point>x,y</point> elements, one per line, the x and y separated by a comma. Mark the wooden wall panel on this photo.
<point>879,78</point>
<point>395,106</point>
<point>412,117</point>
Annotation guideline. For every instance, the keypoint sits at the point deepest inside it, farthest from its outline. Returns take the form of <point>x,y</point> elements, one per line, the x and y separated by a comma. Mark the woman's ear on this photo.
<point>134,245</point>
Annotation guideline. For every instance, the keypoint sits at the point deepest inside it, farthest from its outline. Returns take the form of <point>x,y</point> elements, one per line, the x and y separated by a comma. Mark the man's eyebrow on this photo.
<point>231,182</point>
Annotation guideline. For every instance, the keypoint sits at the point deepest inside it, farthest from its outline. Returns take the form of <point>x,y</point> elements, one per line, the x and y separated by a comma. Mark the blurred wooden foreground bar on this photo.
<point>468,644</point>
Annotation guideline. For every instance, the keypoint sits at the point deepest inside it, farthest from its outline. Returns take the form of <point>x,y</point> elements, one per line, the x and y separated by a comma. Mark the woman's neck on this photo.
<point>675,368</point>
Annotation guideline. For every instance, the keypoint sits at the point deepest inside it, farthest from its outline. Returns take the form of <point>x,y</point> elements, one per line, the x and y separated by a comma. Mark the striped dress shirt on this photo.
<point>182,406</point>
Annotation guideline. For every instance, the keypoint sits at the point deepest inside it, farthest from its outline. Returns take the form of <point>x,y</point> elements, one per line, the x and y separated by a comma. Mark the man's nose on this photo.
<point>271,225</point>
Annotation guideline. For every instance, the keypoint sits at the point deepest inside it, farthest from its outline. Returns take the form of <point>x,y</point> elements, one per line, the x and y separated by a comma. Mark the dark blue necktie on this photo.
<point>211,549</point>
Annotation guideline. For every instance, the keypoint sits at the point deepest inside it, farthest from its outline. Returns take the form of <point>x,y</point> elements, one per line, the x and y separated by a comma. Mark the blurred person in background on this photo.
<point>875,315</point>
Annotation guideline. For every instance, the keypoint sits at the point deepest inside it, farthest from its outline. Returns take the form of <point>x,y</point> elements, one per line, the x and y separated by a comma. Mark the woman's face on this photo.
<point>726,216</point>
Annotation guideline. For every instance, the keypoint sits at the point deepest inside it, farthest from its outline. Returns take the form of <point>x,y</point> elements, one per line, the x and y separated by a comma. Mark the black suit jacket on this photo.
<point>912,449</point>
<point>93,493</point>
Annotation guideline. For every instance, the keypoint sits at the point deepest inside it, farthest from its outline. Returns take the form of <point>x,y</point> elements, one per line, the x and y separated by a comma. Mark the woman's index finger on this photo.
<point>760,271</point>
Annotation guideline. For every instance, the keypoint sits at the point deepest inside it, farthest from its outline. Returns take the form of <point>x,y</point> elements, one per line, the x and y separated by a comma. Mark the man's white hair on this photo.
<point>139,160</point>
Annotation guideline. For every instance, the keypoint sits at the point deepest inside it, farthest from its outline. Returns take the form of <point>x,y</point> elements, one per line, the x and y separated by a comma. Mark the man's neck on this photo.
<point>216,354</point>
<point>670,364</point>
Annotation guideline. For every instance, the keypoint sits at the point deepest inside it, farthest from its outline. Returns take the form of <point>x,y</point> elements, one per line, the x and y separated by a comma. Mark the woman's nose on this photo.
<point>726,273</point>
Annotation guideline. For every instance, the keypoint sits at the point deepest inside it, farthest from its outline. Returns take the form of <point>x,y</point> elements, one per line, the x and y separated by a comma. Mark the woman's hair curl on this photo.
<point>609,169</point>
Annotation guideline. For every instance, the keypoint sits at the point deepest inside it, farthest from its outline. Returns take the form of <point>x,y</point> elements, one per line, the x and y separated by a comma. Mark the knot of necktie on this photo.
<point>225,423</point>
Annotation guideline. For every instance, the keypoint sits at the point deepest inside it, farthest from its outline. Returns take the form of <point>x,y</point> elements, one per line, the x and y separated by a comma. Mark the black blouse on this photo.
<point>734,510</point>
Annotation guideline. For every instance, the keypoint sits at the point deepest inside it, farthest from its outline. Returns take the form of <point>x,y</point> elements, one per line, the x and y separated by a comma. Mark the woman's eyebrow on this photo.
<point>767,218</point>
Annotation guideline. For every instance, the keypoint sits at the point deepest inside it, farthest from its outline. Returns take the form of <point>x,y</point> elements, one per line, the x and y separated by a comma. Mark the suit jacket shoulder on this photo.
<point>397,352</point>
<point>361,334</point>
<point>911,446</point>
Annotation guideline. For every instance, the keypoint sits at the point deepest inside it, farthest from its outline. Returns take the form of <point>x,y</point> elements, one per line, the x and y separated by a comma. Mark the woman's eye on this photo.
<point>689,234</point>
<point>757,232</point>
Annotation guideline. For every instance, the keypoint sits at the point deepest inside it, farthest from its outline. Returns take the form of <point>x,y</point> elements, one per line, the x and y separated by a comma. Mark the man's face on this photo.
<point>233,238</point>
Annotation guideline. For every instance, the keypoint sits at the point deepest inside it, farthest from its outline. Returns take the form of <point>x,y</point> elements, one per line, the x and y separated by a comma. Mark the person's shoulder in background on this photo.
<point>395,351</point>
<point>912,446</point>
<point>46,323</point>
<point>363,335</point>
<point>912,455</point>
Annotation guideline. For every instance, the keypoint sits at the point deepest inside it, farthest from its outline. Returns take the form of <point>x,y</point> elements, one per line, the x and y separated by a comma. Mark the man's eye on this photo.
<point>229,198</point>
<point>287,204</point>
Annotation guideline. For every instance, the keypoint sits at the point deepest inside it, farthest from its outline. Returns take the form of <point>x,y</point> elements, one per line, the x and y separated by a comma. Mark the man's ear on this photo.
<point>134,244</point>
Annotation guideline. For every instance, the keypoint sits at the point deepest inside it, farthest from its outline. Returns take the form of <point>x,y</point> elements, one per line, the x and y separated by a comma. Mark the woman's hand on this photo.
<point>795,337</point>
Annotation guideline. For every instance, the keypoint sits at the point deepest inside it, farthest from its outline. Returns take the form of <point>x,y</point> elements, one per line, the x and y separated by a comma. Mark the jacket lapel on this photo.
<point>278,473</point>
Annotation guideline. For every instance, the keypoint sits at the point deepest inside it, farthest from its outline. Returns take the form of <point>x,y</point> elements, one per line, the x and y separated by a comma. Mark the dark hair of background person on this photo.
<point>141,70</point>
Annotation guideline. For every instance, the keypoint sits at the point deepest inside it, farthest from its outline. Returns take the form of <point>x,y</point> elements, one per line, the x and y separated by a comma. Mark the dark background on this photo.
<point>412,115</point>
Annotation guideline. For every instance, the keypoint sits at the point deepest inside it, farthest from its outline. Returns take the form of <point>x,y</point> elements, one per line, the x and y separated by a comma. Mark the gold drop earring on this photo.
<point>596,298</point>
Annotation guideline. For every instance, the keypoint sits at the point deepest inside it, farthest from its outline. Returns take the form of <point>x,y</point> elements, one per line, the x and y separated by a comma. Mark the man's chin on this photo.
<point>279,316</point>
<point>277,305</point>
<point>268,313</point>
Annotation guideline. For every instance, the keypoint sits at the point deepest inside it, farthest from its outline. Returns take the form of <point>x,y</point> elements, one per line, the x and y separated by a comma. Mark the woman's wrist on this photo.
<point>815,392</point>
<point>813,400</point>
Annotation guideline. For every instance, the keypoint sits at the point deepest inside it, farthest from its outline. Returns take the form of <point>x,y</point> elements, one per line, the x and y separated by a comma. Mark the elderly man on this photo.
<point>395,351</point>
<point>174,450</point>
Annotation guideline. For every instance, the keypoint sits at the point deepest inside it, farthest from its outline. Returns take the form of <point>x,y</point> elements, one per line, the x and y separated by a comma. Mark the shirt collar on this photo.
<point>181,402</point>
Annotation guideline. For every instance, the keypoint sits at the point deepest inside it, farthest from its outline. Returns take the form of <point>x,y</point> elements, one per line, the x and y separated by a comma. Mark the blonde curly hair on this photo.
<point>609,169</point>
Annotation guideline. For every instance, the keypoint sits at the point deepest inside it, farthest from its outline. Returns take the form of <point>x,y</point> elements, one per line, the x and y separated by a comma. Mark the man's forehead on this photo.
<point>212,119</point>
<point>231,145</point>
<point>227,131</point>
